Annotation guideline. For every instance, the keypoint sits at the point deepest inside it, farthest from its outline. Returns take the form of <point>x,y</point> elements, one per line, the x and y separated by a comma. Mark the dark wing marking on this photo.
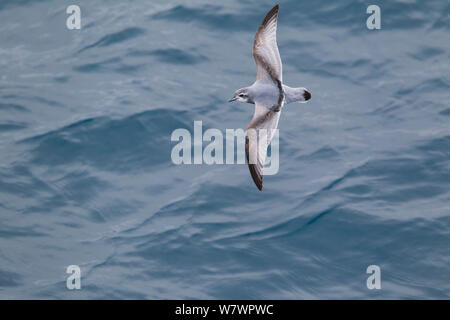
<point>265,48</point>
<point>259,134</point>
<point>266,54</point>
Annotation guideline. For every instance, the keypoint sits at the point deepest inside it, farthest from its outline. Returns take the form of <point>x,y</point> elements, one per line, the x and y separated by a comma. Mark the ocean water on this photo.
<point>86,176</point>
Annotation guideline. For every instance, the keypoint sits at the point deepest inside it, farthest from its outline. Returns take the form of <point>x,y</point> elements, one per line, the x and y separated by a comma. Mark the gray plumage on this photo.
<point>268,93</point>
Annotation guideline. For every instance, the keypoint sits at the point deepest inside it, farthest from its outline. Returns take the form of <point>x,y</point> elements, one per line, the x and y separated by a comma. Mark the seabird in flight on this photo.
<point>267,93</point>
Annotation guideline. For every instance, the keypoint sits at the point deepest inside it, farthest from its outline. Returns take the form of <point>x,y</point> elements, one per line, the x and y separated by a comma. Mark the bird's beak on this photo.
<point>232,99</point>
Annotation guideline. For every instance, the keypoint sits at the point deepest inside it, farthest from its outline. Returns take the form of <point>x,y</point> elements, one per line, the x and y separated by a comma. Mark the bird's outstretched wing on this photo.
<point>259,134</point>
<point>265,48</point>
<point>265,119</point>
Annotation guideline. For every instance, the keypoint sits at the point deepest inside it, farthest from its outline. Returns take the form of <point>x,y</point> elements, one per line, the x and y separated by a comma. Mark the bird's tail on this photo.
<point>296,94</point>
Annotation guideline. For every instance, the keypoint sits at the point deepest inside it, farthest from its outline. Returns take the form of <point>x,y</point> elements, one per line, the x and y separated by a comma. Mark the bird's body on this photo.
<point>264,93</point>
<point>268,93</point>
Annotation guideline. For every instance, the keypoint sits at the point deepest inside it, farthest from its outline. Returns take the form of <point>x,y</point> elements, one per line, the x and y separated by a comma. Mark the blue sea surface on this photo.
<point>86,176</point>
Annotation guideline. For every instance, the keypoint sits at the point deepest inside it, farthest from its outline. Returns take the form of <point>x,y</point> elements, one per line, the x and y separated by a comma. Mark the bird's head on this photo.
<point>242,95</point>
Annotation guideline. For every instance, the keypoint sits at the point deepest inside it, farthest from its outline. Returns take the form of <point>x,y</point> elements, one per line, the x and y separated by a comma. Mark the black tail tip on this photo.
<point>306,95</point>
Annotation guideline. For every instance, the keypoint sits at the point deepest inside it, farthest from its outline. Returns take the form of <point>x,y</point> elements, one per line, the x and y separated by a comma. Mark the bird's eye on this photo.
<point>241,95</point>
